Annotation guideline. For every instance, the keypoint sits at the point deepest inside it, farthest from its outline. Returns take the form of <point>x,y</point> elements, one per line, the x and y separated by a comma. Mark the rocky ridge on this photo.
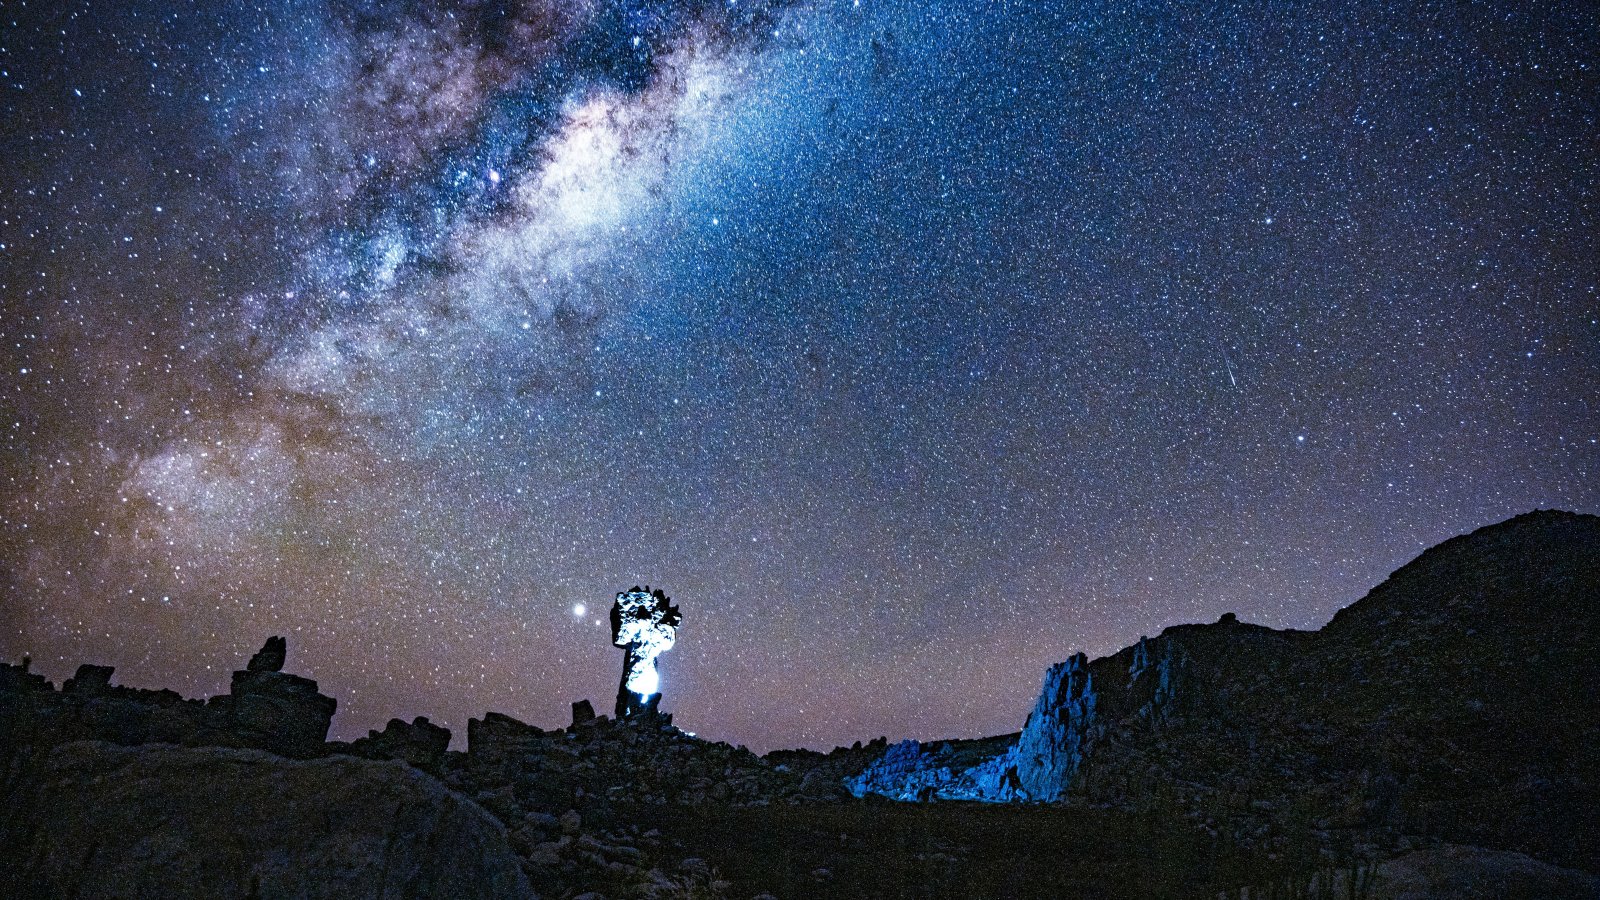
<point>1456,702</point>
<point>1460,698</point>
<point>564,802</point>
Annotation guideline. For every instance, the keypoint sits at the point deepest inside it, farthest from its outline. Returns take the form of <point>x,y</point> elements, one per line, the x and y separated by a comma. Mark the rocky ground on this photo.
<point>1458,702</point>
<point>1440,738</point>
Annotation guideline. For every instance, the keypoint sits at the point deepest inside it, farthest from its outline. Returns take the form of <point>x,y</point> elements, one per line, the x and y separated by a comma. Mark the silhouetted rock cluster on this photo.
<point>266,709</point>
<point>557,796</point>
<point>421,743</point>
<point>982,769</point>
<point>561,793</point>
<point>600,762</point>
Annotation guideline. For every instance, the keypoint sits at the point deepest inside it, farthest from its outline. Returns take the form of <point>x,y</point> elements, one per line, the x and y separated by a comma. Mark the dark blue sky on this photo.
<point>910,347</point>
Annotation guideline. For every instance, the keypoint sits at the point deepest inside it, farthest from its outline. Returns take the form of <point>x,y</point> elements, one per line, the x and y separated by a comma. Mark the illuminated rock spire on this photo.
<point>644,623</point>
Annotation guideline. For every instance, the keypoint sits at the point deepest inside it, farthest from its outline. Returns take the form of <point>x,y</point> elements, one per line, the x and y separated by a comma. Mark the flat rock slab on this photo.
<point>101,821</point>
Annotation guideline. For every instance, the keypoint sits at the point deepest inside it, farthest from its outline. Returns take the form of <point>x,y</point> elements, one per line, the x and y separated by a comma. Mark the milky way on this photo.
<point>909,347</point>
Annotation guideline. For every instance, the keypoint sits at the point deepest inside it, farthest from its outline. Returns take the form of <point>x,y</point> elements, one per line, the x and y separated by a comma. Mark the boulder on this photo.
<point>279,712</point>
<point>90,680</point>
<point>96,820</point>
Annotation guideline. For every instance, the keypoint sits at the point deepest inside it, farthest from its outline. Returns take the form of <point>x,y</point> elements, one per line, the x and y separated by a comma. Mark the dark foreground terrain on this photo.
<point>1440,738</point>
<point>954,850</point>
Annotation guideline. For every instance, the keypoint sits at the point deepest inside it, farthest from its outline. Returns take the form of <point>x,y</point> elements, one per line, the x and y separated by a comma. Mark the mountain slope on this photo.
<point>1460,698</point>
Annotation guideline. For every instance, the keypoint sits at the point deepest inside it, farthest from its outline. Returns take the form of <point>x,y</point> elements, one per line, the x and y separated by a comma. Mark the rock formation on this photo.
<point>1152,687</point>
<point>1459,701</point>
<point>102,821</point>
<point>982,769</point>
<point>266,709</point>
<point>1459,698</point>
<point>565,797</point>
<point>421,743</point>
<point>644,624</point>
<point>277,711</point>
<point>270,657</point>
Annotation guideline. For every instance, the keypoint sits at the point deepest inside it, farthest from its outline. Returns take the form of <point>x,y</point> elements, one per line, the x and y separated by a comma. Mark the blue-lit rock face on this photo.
<point>948,770</point>
<point>1040,765</point>
<point>1091,712</point>
<point>904,772</point>
<point>1060,730</point>
<point>1142,688</point>
<point>644,624</point>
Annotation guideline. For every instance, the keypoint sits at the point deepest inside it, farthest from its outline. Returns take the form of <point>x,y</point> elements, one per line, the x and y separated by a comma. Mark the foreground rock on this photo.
<point>1457,704</point>
<point>566,801</point>
<point>96,820</point>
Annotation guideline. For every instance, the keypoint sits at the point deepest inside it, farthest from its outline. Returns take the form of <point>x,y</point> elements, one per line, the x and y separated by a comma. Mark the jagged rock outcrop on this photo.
<point>982,769</point>
<point>279,712</point>
<point>1461,697</point>
<point>271,656</point>
<point>1059,731</point>
<point>420,743</point>
<point>904,772</point>
<point>95,820</point>
<point>1160,684</point>
<point>265,709</point>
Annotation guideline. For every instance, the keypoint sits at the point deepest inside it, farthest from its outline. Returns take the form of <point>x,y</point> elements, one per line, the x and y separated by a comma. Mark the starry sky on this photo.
<point>910,347</point>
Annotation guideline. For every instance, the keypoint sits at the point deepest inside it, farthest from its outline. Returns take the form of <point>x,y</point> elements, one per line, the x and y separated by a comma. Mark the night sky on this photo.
<point>910,347</point>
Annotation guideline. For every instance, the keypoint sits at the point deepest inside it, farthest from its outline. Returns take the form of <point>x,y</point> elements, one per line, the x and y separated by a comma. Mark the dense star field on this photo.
<point>910,347</point>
